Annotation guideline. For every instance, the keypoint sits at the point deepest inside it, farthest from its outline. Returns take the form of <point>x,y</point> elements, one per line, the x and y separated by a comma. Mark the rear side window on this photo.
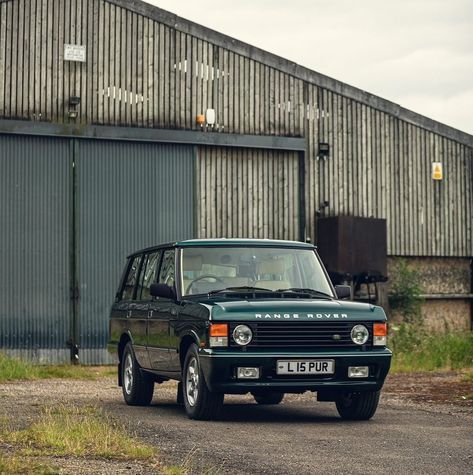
<point>148,275</point>
<point>166,275</point>
<point>131,279</point>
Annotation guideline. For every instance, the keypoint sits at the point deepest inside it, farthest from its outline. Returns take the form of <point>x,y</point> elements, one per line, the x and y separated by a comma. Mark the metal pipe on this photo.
<point>446,296</point>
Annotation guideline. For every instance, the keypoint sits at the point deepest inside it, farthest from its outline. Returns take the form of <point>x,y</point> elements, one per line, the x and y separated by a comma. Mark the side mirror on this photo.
<point>343,291</point>
<point>162,290</point>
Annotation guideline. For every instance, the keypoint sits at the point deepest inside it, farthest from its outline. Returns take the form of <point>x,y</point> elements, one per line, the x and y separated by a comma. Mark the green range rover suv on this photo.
<point>244,315</point>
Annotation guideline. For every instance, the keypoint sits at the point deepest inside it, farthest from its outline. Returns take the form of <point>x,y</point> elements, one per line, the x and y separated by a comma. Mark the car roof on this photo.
<point>228,242</point>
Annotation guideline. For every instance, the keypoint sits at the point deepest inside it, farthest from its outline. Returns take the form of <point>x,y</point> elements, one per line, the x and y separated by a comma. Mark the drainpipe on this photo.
<point>471,291</point>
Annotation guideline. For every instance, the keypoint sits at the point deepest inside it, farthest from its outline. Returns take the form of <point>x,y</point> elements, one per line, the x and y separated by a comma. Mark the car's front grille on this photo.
<point>303,335</point>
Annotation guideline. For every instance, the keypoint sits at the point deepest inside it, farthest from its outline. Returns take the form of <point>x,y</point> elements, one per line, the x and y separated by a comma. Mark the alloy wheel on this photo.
<point>192,381</point>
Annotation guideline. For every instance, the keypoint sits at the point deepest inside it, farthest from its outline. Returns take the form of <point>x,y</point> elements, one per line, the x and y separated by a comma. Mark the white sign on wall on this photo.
<point>74,53</point>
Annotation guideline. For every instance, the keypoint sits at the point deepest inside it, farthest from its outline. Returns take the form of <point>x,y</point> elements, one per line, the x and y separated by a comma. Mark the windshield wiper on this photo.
<point>239,289</point>
<point>306,291</point>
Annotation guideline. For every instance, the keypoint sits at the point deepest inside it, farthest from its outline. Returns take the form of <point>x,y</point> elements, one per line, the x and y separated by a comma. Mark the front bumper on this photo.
<point>219,368</point>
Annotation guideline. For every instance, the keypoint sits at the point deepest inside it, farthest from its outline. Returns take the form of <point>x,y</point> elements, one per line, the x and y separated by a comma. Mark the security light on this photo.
<point>324,150</point>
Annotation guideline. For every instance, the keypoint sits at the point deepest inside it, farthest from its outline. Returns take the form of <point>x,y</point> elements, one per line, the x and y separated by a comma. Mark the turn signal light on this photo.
<point>219,329</point>
<point>380,331</point>
<point>218,335</point>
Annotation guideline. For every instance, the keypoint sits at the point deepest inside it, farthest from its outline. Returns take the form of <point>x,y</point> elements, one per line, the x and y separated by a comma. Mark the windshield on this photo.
<point>208,269</point>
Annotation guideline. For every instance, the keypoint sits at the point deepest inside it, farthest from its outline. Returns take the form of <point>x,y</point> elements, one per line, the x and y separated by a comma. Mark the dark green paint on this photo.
<point>192,318</point>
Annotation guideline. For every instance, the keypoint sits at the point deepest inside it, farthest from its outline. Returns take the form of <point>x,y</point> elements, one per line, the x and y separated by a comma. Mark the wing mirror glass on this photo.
<point>343,291</point>
<point>162,290</point>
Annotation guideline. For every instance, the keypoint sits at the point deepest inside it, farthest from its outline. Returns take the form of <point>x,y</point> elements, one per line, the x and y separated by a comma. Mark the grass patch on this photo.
<point>414,350</point>
<point>468,377</point>
<point>174,470</point>
<point>78,431</point>
<point>12,369</point>
<point>20,466</point>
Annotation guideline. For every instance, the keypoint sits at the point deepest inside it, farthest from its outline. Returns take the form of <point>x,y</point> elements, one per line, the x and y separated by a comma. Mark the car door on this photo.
<point>137,321</point>
<point>143,310</point>
<point>143,299</point>
<point>161,311</point>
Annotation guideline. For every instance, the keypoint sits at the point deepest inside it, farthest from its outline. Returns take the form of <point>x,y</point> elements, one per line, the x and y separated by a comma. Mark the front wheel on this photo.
<point>358,406</point>
<point>268,398</point>
<point>199,402</point>
<point>137,387</point>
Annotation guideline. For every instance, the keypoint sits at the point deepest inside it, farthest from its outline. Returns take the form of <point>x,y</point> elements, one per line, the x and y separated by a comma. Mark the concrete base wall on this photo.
<point>46,356</point>
<point>440,277</point>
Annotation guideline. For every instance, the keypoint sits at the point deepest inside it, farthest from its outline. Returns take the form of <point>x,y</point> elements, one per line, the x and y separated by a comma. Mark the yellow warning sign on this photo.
<point>437,171</point>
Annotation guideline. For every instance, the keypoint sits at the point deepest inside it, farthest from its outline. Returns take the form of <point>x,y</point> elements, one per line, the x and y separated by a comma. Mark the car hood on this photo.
<point>295,310</point>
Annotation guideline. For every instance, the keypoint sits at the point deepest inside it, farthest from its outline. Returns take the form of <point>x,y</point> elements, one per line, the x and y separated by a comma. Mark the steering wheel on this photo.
<point>202,277</point>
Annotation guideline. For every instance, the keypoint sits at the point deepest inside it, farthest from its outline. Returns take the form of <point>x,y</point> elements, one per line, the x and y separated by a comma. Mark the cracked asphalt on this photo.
<point>299,436</point>
<point>303,437</point>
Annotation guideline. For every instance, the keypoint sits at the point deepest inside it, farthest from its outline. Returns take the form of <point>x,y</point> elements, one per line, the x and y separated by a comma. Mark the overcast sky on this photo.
<point>417,53</point>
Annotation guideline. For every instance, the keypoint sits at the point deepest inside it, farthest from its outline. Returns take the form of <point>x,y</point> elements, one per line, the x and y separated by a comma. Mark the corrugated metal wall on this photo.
<point>380,166</point>
<point>137,72</point>
<point>130,196</point>
<point>35,314</point>
<point>247,193</point>
<point>127,196</point>
<point>141,71</point>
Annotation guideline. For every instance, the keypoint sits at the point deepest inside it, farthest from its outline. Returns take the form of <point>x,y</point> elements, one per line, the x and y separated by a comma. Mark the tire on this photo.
<point>358,406</point>
<point>199,402</point>
<point>269,398</point>
<point>136,386</point>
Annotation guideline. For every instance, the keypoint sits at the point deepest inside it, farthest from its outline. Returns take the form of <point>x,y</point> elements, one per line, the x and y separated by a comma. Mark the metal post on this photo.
<point>302,203</point>
<point>73,341</point>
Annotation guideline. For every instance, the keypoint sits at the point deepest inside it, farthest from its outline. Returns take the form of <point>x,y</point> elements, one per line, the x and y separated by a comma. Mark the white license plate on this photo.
<point>305,367</point>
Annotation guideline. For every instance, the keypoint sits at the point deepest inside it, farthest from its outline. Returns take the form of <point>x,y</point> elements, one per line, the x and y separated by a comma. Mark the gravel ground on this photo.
<point>424,425</point>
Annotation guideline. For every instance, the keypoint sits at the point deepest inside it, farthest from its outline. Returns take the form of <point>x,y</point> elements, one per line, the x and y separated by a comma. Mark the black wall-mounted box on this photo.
<point>350,245</point>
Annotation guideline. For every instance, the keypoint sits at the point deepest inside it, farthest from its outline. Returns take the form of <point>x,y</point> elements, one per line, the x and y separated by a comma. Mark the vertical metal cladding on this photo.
<point>145,72</point>
<point>34,245</point>
<point>381,166</point>
<point>138,71</point>
<point>247,193</point>
<point>129,196</point>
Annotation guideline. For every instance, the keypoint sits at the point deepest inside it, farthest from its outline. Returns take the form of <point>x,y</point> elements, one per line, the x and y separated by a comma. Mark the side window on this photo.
<point>148,276</point>
<point>131,279</point>
<point>166,274</point>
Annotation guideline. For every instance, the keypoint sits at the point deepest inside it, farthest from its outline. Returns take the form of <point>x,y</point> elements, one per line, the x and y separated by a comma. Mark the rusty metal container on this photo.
<point>351,246</point>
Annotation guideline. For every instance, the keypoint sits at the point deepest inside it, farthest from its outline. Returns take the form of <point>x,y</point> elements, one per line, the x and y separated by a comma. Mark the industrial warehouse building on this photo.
<point>103,151</point>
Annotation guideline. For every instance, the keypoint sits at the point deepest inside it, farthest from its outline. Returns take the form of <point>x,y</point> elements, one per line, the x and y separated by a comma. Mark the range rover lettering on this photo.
<point>236,316</point>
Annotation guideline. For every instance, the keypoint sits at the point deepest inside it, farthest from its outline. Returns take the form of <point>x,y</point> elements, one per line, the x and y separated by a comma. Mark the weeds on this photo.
<point>12,465</point>
<point>174,470</point>
<point>190,465</point>
<point>404,296</point>
<point>468,377</point>
<point>12,369</point>
<point>415,350</point>
<point>78,431</point>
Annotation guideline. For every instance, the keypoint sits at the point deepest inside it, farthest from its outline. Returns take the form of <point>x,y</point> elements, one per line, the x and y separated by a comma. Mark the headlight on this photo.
<point>359,334</point>
<point>242,335</point>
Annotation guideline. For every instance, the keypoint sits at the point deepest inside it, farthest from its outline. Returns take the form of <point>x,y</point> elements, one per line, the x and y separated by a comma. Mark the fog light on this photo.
<point>247,373</point>
<point>358,371</point>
